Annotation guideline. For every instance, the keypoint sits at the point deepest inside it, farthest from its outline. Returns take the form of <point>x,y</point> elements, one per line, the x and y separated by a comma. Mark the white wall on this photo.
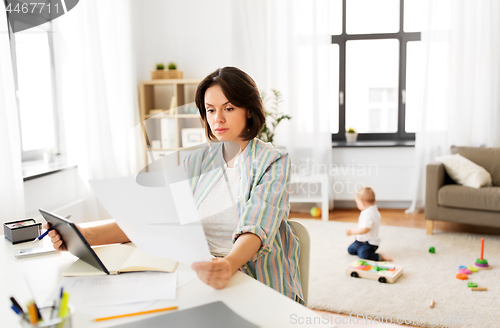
<point>195,34</point>
<point>62,192</point>
<point>199,36</point>
<point>388,170</point>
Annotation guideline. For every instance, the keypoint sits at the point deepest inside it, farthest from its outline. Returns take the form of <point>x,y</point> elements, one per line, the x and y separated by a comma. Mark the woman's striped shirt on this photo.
<point>263,208</point>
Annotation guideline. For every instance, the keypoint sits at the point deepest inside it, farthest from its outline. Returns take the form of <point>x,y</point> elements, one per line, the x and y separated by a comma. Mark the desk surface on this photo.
<point>249,298</point>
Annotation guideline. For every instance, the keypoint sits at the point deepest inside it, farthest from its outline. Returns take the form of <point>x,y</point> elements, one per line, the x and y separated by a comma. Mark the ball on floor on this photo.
<point>315,212</point>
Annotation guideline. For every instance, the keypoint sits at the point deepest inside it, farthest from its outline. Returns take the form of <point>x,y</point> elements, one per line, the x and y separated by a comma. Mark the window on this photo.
<point>32,53</point>
<point>375,57</point>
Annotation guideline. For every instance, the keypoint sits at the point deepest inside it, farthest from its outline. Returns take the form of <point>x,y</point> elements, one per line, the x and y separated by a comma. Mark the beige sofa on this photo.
<point>447,201</point>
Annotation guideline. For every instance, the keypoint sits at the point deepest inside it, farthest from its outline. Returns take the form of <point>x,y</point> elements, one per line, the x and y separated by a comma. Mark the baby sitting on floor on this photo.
<point>367,239</point>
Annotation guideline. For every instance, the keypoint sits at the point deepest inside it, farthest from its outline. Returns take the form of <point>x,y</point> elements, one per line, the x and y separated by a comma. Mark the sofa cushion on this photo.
<point>465,172</point>
<point>486,199</point>
<point>489,158</point>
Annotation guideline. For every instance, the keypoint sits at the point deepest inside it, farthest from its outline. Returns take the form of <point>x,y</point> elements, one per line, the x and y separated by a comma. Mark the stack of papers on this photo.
<point>122,289</point>
<point>84,295</point>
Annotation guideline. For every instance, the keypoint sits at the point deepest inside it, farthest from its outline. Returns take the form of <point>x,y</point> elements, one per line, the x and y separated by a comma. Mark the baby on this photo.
<point>367,239</point>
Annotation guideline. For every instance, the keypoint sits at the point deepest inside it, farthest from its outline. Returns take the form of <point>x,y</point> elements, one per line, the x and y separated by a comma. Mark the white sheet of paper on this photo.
<point>149,218</point>
<point>178,183</point>
<point>184,277</point>
<point>186,207</point>
<point>124,288</point>
<point>112,310</point>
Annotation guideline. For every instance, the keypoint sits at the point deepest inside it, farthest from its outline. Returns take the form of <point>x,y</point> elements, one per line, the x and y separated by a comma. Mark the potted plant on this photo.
<point>351,135</point>
<point>273,114</point>
<point>161,73</point>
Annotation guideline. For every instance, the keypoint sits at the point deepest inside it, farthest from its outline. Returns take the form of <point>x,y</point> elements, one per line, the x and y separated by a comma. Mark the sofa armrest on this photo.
<point>434,179</point>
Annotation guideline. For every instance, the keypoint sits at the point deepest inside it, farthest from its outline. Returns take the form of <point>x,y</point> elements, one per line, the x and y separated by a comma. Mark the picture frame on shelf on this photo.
<point>193,137</point>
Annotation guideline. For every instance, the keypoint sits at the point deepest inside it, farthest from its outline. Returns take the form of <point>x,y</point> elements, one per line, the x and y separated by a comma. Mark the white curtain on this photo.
<point>11,178</point>
<point>460,101</point>
<point>98,89</point>
<point>286,46</point>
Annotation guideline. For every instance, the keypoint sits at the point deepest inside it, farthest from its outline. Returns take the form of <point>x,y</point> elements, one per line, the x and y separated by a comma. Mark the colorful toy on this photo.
<point>432,304</point>
<point>482,263</point>
<point>465,271</point>
<point>384,272</point>
<point>432,250</point>
<point>479,289</point>
<point>315,212</point>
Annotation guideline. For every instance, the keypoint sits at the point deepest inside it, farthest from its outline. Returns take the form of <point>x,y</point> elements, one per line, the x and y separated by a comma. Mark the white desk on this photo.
<point>249,298</point>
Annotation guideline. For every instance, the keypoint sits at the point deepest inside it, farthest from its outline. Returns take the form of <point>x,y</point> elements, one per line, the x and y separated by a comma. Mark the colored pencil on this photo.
<point>137,313</point>
<point>33,315</point>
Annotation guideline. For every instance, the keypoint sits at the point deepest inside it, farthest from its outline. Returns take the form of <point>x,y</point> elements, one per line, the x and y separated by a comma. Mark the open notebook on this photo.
<point>118,258</point>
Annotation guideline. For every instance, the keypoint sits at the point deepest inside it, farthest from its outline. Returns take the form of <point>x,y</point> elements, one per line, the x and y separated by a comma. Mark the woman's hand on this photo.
<point>216,273</point>
<point>348,232</point>
<point>56,239</point>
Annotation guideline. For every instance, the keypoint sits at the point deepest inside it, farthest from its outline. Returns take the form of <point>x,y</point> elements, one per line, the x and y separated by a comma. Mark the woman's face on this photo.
<point>226,121</point>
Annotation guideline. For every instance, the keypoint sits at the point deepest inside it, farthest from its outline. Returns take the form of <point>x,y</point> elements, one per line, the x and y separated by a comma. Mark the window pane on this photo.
<point>372,72</point>
<point>414,76</point>
<point>334,87</point>
<point>372,16</point>
<point>35,89</point>
<point>335,17</point>
<point>414,15</point>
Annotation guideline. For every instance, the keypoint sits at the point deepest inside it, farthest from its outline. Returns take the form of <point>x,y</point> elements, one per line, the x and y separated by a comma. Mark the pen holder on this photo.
<point>21,231</point>
<point>56,322</point>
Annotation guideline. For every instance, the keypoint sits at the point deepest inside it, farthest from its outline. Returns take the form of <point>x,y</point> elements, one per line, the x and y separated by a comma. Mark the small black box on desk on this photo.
<point>21,231</point>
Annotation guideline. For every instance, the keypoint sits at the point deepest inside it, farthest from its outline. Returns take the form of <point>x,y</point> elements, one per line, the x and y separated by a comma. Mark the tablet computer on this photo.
<point>74,240</point>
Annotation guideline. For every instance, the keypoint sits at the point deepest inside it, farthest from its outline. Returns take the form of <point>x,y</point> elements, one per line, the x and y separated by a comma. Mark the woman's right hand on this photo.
<point>56,239</point>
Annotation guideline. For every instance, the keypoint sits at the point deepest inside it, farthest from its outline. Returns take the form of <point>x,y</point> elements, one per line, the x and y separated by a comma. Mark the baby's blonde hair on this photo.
<point>366,194</point>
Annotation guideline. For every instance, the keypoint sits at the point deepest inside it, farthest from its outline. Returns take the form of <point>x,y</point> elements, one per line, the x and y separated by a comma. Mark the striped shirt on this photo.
<point>263,208</point>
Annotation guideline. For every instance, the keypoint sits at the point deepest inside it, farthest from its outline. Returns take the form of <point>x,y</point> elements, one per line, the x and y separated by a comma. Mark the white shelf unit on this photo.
<point>321,179</point>
<point>169,99</point>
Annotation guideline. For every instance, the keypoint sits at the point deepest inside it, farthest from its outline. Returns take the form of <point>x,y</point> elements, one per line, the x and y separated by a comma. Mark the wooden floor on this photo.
<point>396,217</point>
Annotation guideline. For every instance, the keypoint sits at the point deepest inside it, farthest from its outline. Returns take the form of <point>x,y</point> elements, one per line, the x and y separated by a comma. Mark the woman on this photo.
<point>251,232</point>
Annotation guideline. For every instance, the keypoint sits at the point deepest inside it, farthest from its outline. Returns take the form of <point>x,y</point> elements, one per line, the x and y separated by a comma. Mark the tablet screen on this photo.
<point>74,240</point>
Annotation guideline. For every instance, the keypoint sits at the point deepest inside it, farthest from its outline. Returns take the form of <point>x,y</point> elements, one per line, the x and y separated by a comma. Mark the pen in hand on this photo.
<point>47,232</point>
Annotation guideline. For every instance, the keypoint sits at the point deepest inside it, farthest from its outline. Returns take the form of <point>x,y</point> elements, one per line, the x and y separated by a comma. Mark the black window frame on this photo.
<point>404,38</point>
<point>36,154</point>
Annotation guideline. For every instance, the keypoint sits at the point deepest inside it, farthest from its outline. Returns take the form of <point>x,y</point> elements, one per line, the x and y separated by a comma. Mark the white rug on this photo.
<point>425,276</point>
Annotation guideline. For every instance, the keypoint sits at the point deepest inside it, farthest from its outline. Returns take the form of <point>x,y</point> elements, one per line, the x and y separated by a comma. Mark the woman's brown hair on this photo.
<point>241,91</point>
